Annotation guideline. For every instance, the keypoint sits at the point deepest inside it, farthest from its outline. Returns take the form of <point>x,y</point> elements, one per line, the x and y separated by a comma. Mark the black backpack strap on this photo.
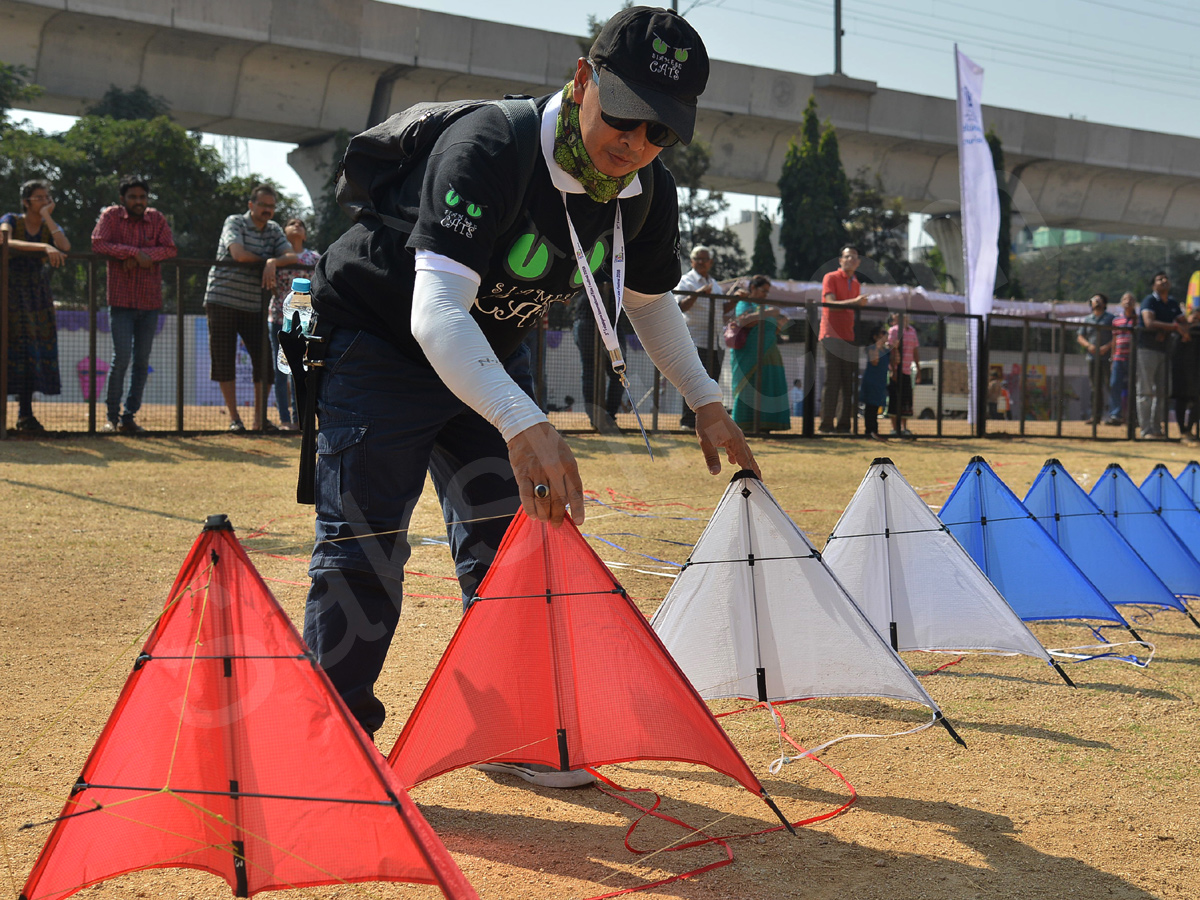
<point>522,115</point>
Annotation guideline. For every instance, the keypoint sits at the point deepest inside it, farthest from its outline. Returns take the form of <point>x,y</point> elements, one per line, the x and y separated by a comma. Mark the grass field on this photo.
<point>1091,793</point>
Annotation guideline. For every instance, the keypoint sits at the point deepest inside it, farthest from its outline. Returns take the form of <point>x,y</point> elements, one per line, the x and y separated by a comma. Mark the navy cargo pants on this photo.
<point>385,421</point>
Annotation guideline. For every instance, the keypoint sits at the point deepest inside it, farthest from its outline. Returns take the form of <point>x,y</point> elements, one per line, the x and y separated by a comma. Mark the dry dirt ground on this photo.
<point>1091,793</point>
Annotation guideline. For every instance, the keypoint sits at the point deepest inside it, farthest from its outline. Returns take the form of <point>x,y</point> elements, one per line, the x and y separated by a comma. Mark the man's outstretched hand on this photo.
<point>539,455</point>
<point>716,429</point>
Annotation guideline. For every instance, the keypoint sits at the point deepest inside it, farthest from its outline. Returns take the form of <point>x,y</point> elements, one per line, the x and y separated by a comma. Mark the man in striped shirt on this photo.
<point>234,300</point>
<point>136,239</point>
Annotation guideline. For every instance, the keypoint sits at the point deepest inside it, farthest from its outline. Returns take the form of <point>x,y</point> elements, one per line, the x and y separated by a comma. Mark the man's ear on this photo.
<point>583,71</point>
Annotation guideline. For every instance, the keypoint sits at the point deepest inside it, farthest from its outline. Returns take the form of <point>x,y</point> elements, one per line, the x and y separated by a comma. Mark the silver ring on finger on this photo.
<point>541,491</point>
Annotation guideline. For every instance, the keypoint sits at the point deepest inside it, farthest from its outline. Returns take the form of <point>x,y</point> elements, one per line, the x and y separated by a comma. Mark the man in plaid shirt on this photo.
<point>136,239</point>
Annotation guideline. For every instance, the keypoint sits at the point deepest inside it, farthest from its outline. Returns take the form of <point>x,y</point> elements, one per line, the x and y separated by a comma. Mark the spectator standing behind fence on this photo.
<point>1185,382</point>
<point>906,356</point>
<point>1096,341</point>
<point>697,312</point>
<point>233,300</point>
<point>136,238</point>
<point>840,292</point>
<point>995,392</point>
<point>1161,315</point>
<point>873,389</point>
<point>759,380</point>
<point>1121,342</point>
<point>32,330</point>
<point>603,415</point>
<point>296,232</point>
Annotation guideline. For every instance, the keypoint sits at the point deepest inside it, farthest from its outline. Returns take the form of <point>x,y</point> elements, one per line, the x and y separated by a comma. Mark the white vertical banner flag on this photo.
<point>980,205</point>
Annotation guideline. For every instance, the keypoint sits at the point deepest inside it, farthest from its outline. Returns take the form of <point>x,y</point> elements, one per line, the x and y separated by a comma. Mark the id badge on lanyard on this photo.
<point>606,326</point>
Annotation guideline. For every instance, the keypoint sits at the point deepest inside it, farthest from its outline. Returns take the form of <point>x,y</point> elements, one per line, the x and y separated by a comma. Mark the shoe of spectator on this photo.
<point>128,426</point>
<point>110,427</point>
<point>845,430</point>
<point>876,436</point>
<point>30,425</point>
<point>237,427</point>
<point>824,429</point>
<point>542,776</point>
<point>1113,421</point>
<point>289,426</point>
<point>269,427</point>
<point>904,432</point>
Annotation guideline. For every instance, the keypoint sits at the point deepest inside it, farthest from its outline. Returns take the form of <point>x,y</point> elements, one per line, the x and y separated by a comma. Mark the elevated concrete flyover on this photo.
<point>299,70</point>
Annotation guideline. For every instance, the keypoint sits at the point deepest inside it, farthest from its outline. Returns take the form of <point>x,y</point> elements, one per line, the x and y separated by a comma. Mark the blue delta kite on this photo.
<point>1085,534</point>
<point>1022,560</point>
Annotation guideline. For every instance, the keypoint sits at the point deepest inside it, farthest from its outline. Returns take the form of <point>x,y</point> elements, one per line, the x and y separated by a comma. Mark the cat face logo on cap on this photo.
<point>662,64</point>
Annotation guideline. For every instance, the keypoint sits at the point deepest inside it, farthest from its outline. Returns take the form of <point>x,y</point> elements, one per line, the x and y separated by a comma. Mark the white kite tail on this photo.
<point>784,759</point>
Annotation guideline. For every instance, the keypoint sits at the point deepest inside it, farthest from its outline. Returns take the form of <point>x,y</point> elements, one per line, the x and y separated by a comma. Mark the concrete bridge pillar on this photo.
<point>946,231</point>
<point>314,161</point>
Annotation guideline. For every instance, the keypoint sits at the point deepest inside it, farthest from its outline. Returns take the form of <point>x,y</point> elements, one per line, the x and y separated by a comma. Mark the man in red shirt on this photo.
<point>137,239</point>
<point>841,293</point>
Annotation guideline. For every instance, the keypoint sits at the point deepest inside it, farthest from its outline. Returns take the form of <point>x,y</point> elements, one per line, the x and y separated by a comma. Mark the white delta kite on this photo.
<point>757,614</point>
<point>915,582</point>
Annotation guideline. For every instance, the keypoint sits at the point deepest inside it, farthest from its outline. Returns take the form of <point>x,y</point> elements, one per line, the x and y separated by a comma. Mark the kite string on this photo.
<point>187,685</point>
<point>784,760</point>
<point>683,843</point>
<point>263,840</point>
<point>669,848</point>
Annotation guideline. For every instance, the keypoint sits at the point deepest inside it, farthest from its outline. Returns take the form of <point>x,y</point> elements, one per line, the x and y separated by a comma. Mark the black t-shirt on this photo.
<point>365,279</point>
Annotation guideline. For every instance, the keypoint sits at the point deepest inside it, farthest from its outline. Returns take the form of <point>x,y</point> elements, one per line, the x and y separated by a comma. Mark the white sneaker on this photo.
<point>542,776</point>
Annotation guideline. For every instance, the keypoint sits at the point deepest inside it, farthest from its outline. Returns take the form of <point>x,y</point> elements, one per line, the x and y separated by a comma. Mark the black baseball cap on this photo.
<point>656,68</point>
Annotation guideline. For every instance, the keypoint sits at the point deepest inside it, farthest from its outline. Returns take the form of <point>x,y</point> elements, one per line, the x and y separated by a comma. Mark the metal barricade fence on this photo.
<point>179,395</point>
<point>1042,385</point>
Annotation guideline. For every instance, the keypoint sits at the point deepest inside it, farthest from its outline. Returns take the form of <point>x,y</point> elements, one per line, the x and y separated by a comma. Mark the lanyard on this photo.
<point>608,333</point>
<point>606,326</point>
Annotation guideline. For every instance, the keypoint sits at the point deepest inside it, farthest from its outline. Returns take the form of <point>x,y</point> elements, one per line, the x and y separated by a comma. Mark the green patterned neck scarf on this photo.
<point>573,158</point>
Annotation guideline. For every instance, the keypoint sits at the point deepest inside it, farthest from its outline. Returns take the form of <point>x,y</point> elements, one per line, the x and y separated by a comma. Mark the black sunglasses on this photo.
<point>656,132</point>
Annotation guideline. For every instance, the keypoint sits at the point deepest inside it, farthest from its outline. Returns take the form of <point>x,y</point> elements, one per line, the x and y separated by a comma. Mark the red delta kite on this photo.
<point>554,664</point>
<point>229,751</point>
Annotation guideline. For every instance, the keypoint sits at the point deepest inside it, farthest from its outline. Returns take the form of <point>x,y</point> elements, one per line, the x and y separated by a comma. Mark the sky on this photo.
<point>1119,62</point>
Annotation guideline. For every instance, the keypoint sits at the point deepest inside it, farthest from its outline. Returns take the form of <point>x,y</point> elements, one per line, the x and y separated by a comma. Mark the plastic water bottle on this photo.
<point>297,308</point>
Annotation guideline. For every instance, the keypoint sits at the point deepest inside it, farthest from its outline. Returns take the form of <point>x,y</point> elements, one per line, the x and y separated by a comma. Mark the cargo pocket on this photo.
<point>342,492</point>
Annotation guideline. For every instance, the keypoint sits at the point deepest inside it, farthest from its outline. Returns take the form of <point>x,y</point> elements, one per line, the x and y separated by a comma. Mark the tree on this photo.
<point>128,133</point>
<point>878,226</point>
<point>814,199</point>
<point>137,103</point>
<point>763,260</point>
<point>1109,267</point>
<point>698,207</point>
<point>14,87</point>
<point>837,192</point>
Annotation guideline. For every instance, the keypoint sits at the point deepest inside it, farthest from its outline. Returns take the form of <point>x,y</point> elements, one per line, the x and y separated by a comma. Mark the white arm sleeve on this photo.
<point>462,357</point>
<point>663,331</point>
